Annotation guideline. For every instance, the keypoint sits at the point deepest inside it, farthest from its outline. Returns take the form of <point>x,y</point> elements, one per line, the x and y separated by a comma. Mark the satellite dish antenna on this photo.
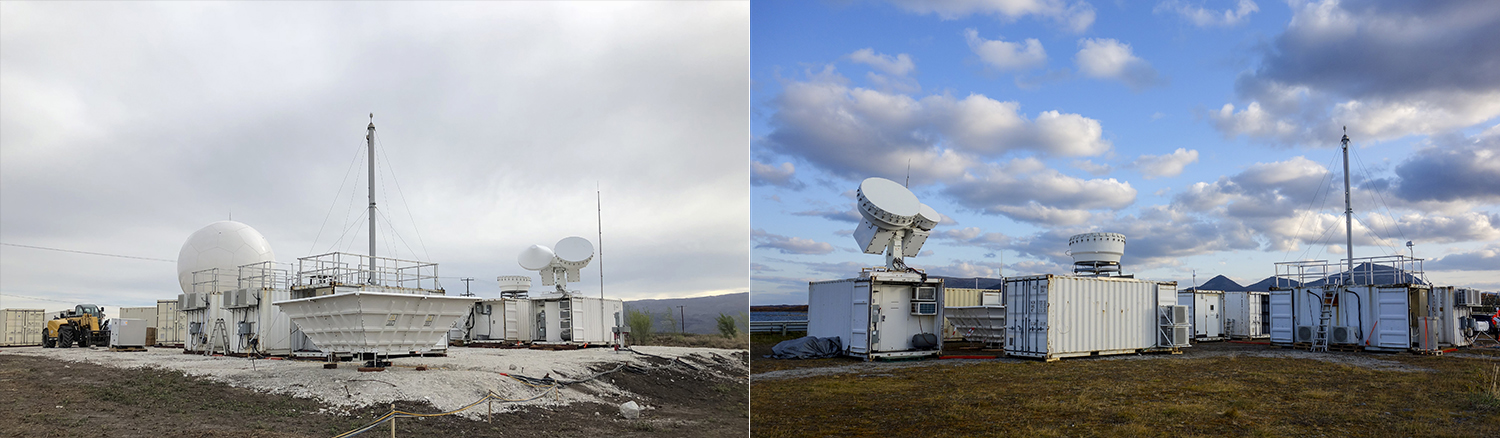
<point>560,267</point>
<point>892,221</point>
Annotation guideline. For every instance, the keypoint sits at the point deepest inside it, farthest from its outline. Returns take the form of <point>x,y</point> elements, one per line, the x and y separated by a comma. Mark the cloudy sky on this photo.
<point>124,127</point>
<point>1207,131</point>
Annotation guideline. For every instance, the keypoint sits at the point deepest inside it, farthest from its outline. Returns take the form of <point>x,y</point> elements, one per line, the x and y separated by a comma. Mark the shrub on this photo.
<point>640,325</point>
<point>728,326</point>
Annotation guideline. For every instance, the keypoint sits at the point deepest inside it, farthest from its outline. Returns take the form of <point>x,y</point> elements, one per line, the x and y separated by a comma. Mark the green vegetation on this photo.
<point>641,325</point>
<point>727,325</point>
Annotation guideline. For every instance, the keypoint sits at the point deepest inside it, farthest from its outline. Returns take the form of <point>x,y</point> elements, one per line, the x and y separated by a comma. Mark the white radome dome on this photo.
<point>225,245</point>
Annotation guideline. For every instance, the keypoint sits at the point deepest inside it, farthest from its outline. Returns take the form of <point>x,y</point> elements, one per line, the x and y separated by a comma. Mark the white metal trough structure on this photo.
<point>984,323</point>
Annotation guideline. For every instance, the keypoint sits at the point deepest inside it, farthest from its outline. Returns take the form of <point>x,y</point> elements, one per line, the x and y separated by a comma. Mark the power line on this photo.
<point>89,253</point>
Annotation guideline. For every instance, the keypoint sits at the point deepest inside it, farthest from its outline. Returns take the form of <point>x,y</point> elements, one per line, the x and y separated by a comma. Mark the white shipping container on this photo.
<point>255,326</point>
<point>1246,315</point>
<point>170,326</point>
<point>576,320</point>
<point>22,327</point>
<point>1207,310</point>
<point>127,332</point>
<point>879,315</point>
<point>147,314</point>
<point>1051,317</point>
<point>501,319</point>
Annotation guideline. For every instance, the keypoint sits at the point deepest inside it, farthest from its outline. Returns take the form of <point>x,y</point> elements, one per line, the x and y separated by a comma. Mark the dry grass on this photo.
<point>696,340</point>
<point>1216,396</point>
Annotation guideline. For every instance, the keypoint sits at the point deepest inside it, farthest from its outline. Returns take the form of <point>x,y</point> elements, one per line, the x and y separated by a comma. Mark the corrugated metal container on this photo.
<point>147,314</point>
<point>256,326</point>
<point>170,326</point>
<point>1247,315</point>
<point>576,320</point>
<point>202,311</point>
<point>1207,310</point>
<point>22,327</point>
<point>501,319</point>
<point>879,315</point>
<point>1379,317</point>
<point>127,332</point>
<point>961,297</point>
<point>1052,316</point>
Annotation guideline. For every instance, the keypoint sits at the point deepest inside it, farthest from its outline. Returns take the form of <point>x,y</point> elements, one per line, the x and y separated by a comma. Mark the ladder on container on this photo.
<point>1320,341</point>
<point>219,333</point>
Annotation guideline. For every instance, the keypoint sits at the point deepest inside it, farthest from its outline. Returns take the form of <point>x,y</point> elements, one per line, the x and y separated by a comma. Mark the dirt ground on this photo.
<point>1211,389</point>
<point>45,397</point>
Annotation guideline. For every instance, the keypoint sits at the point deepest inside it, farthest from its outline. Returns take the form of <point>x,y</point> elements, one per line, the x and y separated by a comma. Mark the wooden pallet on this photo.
<point>127,349</point>
<point>558,347</point>
<point>1347,348</point>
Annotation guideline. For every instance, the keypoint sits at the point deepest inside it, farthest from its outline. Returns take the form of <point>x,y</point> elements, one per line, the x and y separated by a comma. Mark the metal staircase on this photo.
<point>1320,340</point>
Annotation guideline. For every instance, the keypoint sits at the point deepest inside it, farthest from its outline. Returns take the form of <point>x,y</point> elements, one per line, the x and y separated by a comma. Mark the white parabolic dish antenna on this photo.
<point>575,251</point>
<point>536,258</point>
<point>886,203</point>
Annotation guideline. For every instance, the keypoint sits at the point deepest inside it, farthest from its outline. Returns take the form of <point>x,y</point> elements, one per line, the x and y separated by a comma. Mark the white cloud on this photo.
<point>1004,55</point>
<point>1026,190</point>
<point>1157,166</point>
<point>1107,58</point>
<point>783,175</point>
<point>789,245</point>
<point>1093,168</point>
<point>1076,16</point>
<point>899,65</point>
<point>1202,17</point>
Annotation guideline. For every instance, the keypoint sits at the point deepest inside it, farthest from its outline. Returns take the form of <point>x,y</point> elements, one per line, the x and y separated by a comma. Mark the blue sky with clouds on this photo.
<point>1206,131</point>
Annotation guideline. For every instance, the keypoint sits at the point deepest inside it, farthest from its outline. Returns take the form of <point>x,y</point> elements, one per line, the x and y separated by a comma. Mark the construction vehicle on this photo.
<point>83,325</point>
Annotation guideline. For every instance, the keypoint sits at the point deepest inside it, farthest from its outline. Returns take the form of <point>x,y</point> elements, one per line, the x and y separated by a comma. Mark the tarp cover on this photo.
<point>808,347</point>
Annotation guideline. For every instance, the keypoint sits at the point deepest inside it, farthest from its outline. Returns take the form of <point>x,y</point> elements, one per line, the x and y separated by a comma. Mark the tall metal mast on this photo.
<point>1348,211</point>
<point>370,142</point>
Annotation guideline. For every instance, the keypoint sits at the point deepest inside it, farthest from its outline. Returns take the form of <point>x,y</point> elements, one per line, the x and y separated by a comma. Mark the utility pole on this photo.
<point>1348,211</point>
<point>370,142</point>
<point>466,281</point>
<point>680,315</point>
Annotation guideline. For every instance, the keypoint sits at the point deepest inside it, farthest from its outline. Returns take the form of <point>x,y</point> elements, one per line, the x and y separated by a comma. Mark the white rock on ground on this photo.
<point>448,383</point>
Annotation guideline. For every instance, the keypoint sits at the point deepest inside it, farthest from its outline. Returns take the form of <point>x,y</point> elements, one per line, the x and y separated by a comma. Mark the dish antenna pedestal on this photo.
<point>559,267</point>
<point>892,221</point>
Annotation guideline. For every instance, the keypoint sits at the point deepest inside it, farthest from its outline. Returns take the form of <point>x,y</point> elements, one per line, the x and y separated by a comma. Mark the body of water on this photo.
<point>778,316</point>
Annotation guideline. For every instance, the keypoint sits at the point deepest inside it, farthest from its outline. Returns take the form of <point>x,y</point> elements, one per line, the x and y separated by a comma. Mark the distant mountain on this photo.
<point>1219,282</point>
<point>700,314</point>
<point>1369,273</point>
<point>1265,285</point>
<point>970,282</point>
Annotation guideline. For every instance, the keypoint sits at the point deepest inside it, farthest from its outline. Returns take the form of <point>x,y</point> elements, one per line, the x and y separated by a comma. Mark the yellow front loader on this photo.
<point>83,325</point>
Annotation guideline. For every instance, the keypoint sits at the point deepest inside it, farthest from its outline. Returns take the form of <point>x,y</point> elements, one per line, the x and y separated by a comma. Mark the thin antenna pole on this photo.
<point>466,281</point>
<point>1348,211</point>
<point>370,143</point>
<point>908,174</point>
<point>599,221</point>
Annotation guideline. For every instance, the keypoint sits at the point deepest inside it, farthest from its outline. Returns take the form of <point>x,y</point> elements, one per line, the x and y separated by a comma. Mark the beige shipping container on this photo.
<point>960,297</point>
<point>21,327</point>
<point>146,313</point>
<point>170,326</point>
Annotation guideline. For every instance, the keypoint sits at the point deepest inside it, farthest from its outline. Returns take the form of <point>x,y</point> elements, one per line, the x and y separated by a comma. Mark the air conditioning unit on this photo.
<point>1181,315</point>
<point>1305,333</point>
<point>1344,335</point>
<point>924,294</point>
<point>1467,297</point>
<point>1175,336</point>
<point>250,297</point>
<point>227,299</point>
<point>924,308</point>
<point>991,299</point>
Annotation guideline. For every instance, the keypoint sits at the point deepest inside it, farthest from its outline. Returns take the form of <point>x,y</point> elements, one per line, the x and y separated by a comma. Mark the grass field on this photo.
<point>1213,390</point>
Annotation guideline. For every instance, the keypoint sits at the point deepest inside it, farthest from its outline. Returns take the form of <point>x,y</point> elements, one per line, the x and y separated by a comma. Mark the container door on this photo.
<point>1392,329</point>
<point>1256,305</point>
<point>1281,316</point>
<point>859,321</point>
<point>512,320</point>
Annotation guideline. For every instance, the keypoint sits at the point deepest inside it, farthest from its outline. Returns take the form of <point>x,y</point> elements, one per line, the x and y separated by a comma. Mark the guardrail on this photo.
<point>782,327</point>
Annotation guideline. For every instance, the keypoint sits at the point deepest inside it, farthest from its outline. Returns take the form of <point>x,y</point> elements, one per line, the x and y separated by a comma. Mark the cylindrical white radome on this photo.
<point>1097,247</point>
<point>887,203</point>
<point>514,283</point>
<point>225,245</point>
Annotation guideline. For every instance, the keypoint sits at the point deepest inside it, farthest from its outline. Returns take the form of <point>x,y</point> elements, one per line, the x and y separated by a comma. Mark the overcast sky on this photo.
<point>124,127</point>
<point>1206,131</point>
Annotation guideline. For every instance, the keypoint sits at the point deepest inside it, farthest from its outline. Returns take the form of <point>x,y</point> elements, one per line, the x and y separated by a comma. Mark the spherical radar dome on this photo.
<point>225,245</point>
<point>887,203</point>
<point>575,250</point>
<point>535,258</point>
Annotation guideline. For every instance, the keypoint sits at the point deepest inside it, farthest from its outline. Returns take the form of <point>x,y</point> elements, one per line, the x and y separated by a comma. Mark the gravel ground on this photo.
<point>448,383</point>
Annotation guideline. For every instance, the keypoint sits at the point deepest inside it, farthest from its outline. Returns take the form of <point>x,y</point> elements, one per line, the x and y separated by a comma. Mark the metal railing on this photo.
<point>263,275</point>
<point>782,327</point>
<point>1391,269</point>
<point>353,269</point>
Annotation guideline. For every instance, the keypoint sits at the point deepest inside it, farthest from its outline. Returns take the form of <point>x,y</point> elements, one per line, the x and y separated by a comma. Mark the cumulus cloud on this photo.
<point>834,214</point>
<point>1483,259</point>
<point>967,269</point>
<point>1107,58</point>
<point>789,245</point>
<point>1092,168</point>
<point>783,175</point>
<point>1025,189</point>
<point>1453,170</point>
<point>1385,69</point>
<point>898,65</point>
<point>1202,17</point>
<point>1157,166</point>
<point>1004,55</point>
<point>854,132</point>
<point>1076,16</point>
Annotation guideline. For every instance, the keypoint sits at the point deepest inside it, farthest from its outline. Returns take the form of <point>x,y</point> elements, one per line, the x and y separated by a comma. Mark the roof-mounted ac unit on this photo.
<point>924,294</point>
<point>923,308</point>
